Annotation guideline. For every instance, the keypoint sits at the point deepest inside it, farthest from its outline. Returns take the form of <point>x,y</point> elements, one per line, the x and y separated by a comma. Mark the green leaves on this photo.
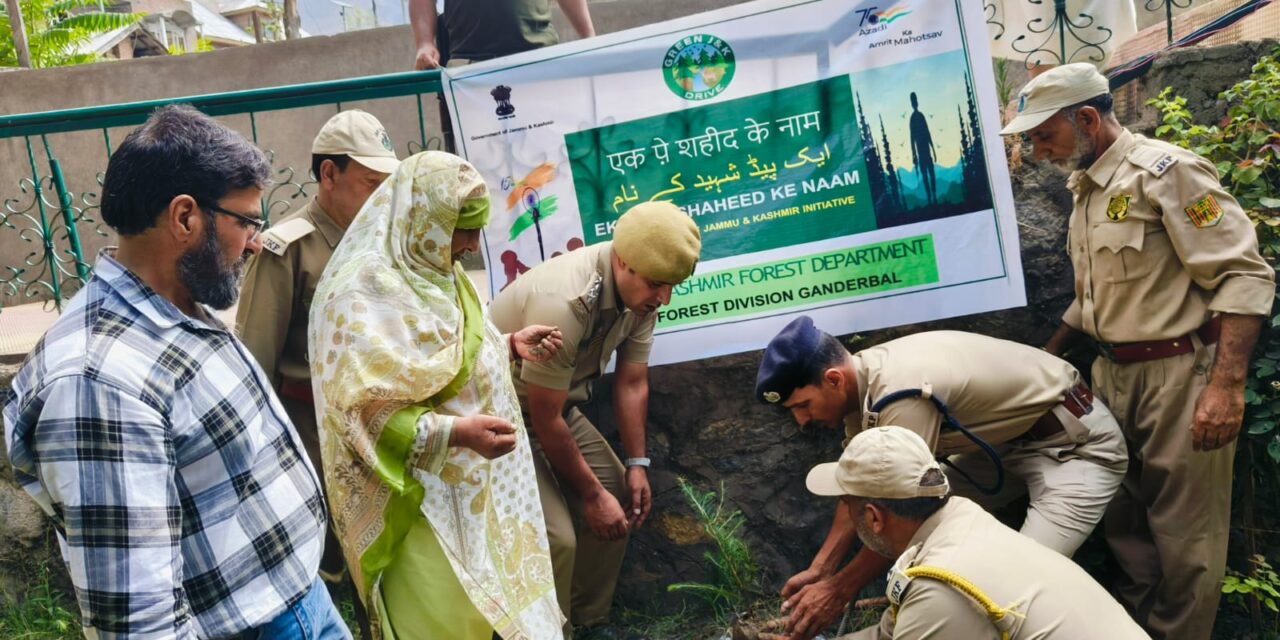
<point>57,28</point>
<point>1261,584</point>
<point>1246,152</point>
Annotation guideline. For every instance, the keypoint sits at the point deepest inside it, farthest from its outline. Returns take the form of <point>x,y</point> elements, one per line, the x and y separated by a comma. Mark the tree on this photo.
<point>56,29</point>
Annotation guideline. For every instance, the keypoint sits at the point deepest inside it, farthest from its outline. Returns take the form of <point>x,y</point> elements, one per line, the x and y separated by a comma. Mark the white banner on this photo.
<point>841,159</point>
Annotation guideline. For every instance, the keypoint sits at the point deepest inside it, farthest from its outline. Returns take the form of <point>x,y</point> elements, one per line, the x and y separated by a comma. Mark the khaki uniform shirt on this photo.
<point>1055,598</point>
<point>1158,247</point>
<point>278,286</point>
<point>996,388</point>
<point>573,291</point>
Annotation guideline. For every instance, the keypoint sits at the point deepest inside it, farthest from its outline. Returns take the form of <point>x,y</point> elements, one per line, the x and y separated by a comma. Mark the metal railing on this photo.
<point>1061,36</point>
<point>52,218</point>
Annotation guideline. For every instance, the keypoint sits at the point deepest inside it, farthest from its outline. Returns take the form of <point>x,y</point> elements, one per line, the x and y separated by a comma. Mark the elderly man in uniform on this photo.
<point>604,298</point>
<point>991,406</point>
<point>350,157</point>
<point>959,573</point>
<point>1170,284</point>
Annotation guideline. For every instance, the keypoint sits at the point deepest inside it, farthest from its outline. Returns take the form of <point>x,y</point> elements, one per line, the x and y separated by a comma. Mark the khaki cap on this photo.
<point>659,241</point>
<point>884,462</point>
<point>1054,89</point>
<point>357,134</point>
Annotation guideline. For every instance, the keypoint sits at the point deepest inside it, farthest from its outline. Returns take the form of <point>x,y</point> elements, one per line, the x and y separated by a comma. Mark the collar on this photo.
<point>328,228</point>
<point>860,375</point>
<point>1105,167</point>
<point>931,524</point>
<point>604,267</point>
<point>154,307</point>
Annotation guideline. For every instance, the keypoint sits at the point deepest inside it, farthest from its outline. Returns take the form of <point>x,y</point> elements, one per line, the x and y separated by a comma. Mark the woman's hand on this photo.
<point>486,435</point>
<point>537,343</point>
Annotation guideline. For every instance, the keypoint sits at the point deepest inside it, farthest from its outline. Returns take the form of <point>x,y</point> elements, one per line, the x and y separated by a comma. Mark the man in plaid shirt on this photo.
<point>185,504</point>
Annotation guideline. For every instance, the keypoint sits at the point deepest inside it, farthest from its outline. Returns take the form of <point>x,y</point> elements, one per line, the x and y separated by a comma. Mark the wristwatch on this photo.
<point>637,462</point>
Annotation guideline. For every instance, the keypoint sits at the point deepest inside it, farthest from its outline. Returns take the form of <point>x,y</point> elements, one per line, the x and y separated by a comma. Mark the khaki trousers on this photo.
<point>1168,524</point>
<point>1070,483</point>
<point>586,568</point>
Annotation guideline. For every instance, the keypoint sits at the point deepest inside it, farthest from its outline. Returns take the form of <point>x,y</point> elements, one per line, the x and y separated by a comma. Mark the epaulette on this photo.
<point>279,237</point>
<point>1152,158</point>
<point>586,301</point>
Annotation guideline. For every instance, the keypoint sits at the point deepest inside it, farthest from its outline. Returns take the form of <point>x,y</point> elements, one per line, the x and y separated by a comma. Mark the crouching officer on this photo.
<point>959,573</point>
<point>1010,420</point>
<point>350,157</point>
<point>605,299</point>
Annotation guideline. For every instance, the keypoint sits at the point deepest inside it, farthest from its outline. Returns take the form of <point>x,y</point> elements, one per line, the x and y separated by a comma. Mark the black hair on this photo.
<point>830,353</point>
<point>317,159</point>
<point>1102,102</point>
<point>917,509</point>
<point>177,151</point>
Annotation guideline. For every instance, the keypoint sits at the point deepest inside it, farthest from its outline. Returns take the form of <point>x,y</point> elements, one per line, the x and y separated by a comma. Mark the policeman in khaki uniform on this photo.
<point>990,407</point>
<point>1170,284</point>
<point>959,573</point>
<point>350,158</point>
<point>604,298</point>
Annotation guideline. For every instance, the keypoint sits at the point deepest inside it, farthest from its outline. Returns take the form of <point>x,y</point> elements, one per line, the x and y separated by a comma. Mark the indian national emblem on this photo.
<point>1118,208</point>
<point>502,94</point>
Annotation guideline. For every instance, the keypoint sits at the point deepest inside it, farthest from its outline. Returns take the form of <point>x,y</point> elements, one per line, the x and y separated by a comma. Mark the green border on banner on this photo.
<point>801,281</point>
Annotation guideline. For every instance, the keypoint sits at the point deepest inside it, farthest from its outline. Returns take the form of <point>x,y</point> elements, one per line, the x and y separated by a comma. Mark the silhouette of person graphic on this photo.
<point>922,151</point>
<point>512,267</point>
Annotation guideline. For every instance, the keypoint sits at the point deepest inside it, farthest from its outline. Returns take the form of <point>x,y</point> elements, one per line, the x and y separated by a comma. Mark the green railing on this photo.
<point>52,218</point>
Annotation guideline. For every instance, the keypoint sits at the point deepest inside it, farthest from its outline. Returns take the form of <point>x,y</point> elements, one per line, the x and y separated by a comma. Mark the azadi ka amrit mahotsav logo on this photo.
<point>698,67</point>
<point>875,17</point>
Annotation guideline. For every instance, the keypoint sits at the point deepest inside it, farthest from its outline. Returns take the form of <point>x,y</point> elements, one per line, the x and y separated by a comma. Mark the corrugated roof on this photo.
<point>216,27</point>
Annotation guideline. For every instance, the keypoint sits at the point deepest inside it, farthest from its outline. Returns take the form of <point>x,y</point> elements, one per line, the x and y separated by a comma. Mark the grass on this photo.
<point>42,613</point>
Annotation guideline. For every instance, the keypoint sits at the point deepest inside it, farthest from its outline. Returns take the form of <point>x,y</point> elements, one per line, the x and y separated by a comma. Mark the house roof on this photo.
<point>216,27</point>
<point>104,42</point>
<point>236,6</point>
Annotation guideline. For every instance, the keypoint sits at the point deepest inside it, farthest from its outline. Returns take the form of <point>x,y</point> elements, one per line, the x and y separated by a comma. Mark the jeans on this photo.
<point>314,617</point>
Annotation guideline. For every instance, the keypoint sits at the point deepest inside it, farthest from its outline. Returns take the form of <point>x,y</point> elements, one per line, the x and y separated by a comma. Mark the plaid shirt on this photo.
<point>185,505</point>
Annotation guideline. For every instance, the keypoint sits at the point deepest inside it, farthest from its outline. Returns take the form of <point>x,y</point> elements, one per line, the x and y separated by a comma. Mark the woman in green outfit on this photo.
<point>430,478</point>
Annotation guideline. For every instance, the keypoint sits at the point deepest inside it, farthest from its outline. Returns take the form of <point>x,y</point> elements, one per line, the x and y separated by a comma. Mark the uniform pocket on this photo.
<point>1118,251</point>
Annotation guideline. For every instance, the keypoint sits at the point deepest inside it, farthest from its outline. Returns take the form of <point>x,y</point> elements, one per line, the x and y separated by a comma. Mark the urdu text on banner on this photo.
<point>841,160</point>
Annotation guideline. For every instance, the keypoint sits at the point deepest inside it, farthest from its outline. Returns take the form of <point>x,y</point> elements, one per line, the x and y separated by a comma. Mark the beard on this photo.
<point>1081,157</point>
<point>211,282</point>
<point>872,541</point>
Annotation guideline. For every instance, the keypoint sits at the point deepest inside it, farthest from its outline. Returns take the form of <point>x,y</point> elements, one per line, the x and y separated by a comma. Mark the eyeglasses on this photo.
<point>256,223</point>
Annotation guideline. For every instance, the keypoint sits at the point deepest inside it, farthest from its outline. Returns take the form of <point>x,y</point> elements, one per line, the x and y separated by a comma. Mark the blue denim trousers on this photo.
<point>314,617</point>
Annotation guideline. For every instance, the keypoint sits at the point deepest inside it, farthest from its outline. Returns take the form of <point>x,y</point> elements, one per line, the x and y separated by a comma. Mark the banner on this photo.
<point>840,158</point>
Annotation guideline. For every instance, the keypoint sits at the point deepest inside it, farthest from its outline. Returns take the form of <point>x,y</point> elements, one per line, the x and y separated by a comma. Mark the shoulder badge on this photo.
<point>1205,212</point>
<point>1118,208</point>
<point>587,300</point>
<point>279,237</point>
<point>898,578</point>
<point>1152,158</point>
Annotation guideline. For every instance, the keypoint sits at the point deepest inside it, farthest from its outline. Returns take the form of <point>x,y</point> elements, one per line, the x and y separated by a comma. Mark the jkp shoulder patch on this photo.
<point>1205,212</point>
<point>1118,207</point>
<point>279,237</point>
<point>1152,158</point>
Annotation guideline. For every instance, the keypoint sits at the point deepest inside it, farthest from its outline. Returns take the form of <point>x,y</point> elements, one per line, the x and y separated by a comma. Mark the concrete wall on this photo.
<point>286,134</point>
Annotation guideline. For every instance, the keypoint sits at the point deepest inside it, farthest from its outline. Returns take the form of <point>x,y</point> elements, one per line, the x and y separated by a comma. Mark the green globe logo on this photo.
<point>698,67</point>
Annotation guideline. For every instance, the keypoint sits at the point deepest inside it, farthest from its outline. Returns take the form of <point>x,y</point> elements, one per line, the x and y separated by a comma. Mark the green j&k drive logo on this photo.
<point>698,67</point>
